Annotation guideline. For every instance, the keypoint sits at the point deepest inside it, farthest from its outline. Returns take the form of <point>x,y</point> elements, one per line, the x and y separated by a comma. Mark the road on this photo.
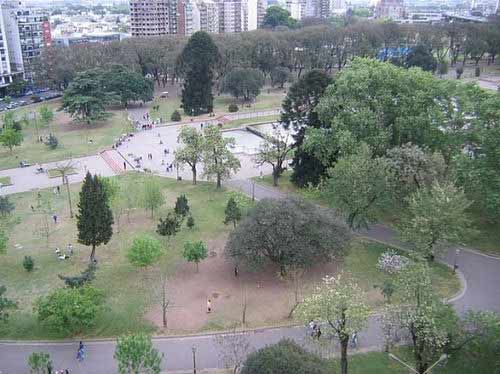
<point>480,275</point>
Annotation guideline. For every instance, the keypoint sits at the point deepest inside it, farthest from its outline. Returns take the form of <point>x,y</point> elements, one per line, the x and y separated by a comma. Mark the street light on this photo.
<point>441,358</point>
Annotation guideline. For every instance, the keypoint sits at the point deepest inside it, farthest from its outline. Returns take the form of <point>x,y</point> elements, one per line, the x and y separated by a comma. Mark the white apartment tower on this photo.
<point>209,16</point>
<point>233,16</point>
<point>149,17</point>
<point>10,46</point>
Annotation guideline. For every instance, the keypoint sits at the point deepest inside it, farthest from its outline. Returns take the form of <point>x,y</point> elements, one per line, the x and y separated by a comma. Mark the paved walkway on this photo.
<point>481,272</point>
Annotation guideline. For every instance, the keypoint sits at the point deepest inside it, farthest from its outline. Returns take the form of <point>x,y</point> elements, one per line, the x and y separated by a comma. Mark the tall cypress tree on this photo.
<point>94,218</point>
<point>196,64</point>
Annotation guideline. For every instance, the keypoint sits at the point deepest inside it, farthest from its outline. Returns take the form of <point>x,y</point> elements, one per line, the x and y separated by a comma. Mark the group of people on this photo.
<point>64,256</point>
<point>315,329</point>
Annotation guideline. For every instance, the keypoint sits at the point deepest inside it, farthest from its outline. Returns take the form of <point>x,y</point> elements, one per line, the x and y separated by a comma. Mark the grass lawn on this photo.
<point>250,121</point>
<point>486,238</point>
<point>129,291</point>
<point>73,139</point>
<point>5,181</point>
<point>55,173</point>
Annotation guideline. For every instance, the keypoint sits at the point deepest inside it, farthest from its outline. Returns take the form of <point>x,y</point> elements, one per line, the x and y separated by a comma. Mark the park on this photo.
<point>258,205</point>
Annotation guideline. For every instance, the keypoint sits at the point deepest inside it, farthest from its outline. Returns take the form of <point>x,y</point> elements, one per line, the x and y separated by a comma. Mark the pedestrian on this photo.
<point>312,327</point>
<point>124,165</point>
<point>318,332</point>
<point>209,306</point>
<point>58,190</point>
<point>236,271</point>
<point>32,208</point>
<point>80,354</point>
<point>165,151</point>
<point>66,371</point>
<point>69,249</point>
<point>54,217</point>
<point>354,340</point>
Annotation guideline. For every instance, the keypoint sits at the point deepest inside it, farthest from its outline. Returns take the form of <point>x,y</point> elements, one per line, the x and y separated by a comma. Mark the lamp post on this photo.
<point>193,349</point>
<point>455,262</point>
<point>441,358</point>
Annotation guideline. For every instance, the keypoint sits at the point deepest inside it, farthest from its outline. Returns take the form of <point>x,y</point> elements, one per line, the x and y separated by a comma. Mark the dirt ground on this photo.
<point>269,298</point>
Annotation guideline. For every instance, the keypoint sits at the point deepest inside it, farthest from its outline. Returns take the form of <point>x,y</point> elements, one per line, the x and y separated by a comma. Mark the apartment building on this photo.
<point>10,47</point>
<point>209,16</point>
<point>391,9</point>
<point>151,17</point>
<point>233,16</point>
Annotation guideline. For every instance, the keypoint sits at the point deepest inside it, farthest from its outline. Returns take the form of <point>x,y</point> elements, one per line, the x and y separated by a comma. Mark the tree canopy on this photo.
<point>289,233</point>
<point>243,83</point>
<point>277,16</point>
<point>136,354</point>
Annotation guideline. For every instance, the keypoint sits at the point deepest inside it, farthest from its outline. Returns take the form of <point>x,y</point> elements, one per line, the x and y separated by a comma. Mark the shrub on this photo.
<point>70,310</point>
<point>232,108</point>
<point>195,252</point>
<point>145,251</point>
<point>28,263</point>
<point>3,242</point>
<point>40,363</point>
<point>181,206</point>
<point>477,71</point>
<point>285,357</point>
<point>6,206</point>
<point>391,262</point>
<point>190,222</point>
<point>52,142</point>
<point>81,280</point>
<point>176,116</point>
<point>443,68</point>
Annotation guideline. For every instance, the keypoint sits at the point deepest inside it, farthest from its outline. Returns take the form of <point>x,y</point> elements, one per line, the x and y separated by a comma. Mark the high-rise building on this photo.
<point>392,9</point>
<point>297,8</point>
<point>261,12</point>
<point>10,47</point>
<point>188,17</point>
<point>150,17</point>
<point>209,16</point>
<point>233,16</point>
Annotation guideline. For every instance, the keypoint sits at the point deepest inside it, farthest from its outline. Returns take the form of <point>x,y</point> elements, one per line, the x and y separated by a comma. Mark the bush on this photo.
<point>81,280</point>
<point>40,363</point>
<point>6,206</point>
<point>28,263</point>
<point>145,251</point>
<point>391,262</point>
<point>232,108</point>
<point>443,68</point>
<point>285,357</point>
<point>459,70</point>
<point>52,142</point>
<point>176,116</point>
<point>189,223</point>
<point>70,310</point>
<point>181,206</point>
<point>477,71</point>
<point>3,242</point>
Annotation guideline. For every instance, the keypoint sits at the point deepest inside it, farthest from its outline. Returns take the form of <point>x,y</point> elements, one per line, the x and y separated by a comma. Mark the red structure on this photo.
<point>47,35</point>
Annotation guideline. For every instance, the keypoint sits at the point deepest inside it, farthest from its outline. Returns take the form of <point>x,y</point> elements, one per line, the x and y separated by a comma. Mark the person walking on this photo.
<point>209,306</point>
<point>124,165</point>
<point>80,354</point>
<point>54,217</point>
<point>58,190</point>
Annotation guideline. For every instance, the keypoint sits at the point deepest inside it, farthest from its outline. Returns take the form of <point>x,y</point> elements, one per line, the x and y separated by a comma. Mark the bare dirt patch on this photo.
<point>269,298</point>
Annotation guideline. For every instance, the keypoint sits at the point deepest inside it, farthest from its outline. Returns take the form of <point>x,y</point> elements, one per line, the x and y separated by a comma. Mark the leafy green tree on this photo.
<point>290,233</point>
<point>279,76</point>
<point>136,354</point>
<point>6,304</point>
<point>339,302</point>
<point>232,212</point>
<point>169,226</point>
<point>434,214</point>
<point>274,150</point>
<point>28,263</point>
<point>127,84</point>
<point>196,64</point>
<point>145,251</point>
<point>192,151</point>
<point>243,83</point>
<point>277,16</point>
<point>40,363</point>
<point>218,159</point>
<point>298,112</point>
<point>284,357</point>
<point>70,310</point>
<point>11,138</point>
<point>94,218</point>
<point>190,222</point>
<point>46,115</point>
<point>428,320</point>
<point>195,252</point>
<point>152,197</point>
<point>6,206</point>
<point>359,186</point>
<point>421,56</point>
<point>86,97</point>
<point>181,206</point>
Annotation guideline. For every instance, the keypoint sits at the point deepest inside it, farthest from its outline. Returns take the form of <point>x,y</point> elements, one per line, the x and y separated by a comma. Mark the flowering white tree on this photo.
<point>341,304</point>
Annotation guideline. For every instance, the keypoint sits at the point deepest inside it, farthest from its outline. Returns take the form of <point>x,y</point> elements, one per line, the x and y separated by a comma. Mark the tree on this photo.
<point>136,354</point>
<point>46,115</point>
<point>94,218</point>
<point>152,197</point>
<point>45,211</point>
<point>190,222</point>
<point>232,212</point>
<point>176,116</point>
<point>298,112</point>
<point>145,251</point>
<point>11,138</point>
<point>341,304</point>
<point>359,186</point>
<point>181,208</point>
<point>127,84</point>
<point>274,150</point>
<point>6,304</point>
<point>164,300</point>
<point>86,97</point>
<point>196,64</point>
<point>218,160</point>
<point>64,169</point>
<point>428,321</point>
<point>421,56</point>
<point>192,151</point>
<point>4,240</point>
<point>436,213</point>
<point>243,82</point>
<point>70,310</point>
<point>84,278</point>
<point>169,226</point>
<point>195,252</point>
<point>40,363</point>
<point>284,357</point>
<point>277,16</point>
<point>233,348</point>
<point>28,263</point>
<point>52,142</point>
<point>6,206</point>
<point>279,76</point>
<point>290,233</point>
